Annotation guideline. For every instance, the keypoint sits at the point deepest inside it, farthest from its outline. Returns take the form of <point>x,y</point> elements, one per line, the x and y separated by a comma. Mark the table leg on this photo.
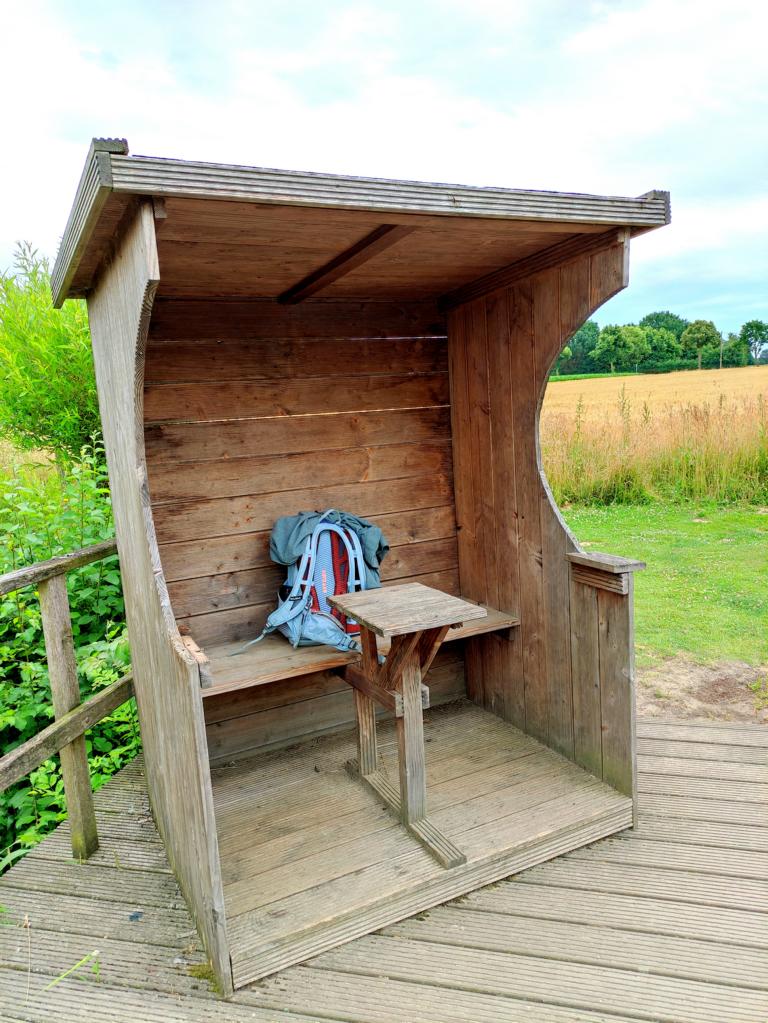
<point>410,738</point>
<point>365,709</point>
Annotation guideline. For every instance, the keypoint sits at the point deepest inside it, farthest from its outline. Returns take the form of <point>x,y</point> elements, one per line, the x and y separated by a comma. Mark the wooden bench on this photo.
<point>274,659</point>
<point>415,619</point>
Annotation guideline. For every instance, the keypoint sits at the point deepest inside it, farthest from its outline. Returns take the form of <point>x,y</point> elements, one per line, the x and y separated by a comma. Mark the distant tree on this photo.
<point>736,351</point>
<point>699,335</point>
<point>665,321</point>
<point>562,360</point>
<point>755,334</point>
<point>580,345</point>
<point>664,345</point>
<point>620,348</point>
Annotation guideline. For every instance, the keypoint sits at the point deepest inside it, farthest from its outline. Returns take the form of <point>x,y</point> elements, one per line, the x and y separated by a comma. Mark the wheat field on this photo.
<point>695,435</point>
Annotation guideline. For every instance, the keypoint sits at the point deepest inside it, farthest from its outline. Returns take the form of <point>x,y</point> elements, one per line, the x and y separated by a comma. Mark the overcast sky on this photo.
<point>604,97</point>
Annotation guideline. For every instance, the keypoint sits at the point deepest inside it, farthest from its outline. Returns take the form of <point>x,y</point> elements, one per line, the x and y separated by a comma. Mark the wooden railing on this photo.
<point>66,736</point>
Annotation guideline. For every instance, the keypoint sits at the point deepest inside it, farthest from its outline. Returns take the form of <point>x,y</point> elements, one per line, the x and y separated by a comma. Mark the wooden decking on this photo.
<point>668,923</point>
<point>311,858</point>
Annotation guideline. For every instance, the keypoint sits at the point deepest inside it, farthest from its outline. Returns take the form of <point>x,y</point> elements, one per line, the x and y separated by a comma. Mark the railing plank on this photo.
<point>35,751</point>
<point>65,691</point>
<point>38,573</point>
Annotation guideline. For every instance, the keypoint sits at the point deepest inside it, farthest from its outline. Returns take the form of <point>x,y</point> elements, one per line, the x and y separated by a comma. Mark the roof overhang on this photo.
<point>112,180</point>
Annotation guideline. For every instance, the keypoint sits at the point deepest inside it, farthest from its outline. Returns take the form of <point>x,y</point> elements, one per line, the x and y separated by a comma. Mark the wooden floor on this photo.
<point>668,923</point>
<point>312,858</point>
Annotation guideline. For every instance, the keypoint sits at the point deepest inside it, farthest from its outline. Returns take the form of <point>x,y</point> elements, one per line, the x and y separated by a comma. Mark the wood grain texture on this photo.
<point>65,694</point>
<point>406,608</point>
<point>572,946</point>
<point>201,320</point>
<point>330,405</point>
<point>166,676</point>
<point>601,580</point>
<point>34,574</point>
<point>367,248</point>
<point>241,199</point>
<point>512,541</point>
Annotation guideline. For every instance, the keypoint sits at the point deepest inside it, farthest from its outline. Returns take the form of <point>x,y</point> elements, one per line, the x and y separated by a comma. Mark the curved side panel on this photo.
<point>166,678</point>
<point>513,543</point>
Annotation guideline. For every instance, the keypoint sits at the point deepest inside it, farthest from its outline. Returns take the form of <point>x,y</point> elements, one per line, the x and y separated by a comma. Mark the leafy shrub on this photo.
<point>44,513</point>
<point>48,399</point>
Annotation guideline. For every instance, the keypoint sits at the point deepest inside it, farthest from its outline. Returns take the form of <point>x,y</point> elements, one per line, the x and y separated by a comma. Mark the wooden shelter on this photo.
<point>268,342</point>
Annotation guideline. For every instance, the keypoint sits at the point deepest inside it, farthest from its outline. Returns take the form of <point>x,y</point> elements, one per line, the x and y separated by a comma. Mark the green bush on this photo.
<point>44,513</point>
<point>48,398</point>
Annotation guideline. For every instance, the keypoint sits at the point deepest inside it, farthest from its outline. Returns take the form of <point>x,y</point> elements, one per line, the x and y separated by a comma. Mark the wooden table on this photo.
<point>416,619</point>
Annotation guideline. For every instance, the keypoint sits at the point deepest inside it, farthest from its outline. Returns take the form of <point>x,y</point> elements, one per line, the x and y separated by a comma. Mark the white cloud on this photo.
<point>615,98</point>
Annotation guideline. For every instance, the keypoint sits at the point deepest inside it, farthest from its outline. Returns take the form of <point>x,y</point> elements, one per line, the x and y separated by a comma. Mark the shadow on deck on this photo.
<point>666,923</point>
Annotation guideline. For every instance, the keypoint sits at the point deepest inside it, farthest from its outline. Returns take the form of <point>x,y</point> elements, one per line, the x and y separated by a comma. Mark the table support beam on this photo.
<point>416,619</point>
<point>410,742</point>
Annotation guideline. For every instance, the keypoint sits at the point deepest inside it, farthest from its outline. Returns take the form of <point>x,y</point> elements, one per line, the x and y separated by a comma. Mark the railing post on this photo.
<point>65,692</point>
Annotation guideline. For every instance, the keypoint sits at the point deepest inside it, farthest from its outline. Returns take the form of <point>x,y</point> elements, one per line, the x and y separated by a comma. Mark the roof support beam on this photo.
<point>555,255</point>
<point>377,241</point>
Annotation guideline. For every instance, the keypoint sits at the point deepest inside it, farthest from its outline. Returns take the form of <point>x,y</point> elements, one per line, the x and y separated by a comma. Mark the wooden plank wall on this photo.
<point>166,678</point>
<point>255,410</point>
<point>512,539</point>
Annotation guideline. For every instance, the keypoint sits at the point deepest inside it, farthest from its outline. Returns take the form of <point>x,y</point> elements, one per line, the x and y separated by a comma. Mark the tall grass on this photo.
<point>633,455</point>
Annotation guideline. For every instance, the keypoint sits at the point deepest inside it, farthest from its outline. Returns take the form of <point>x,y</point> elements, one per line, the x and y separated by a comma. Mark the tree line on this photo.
<point>660,343</point>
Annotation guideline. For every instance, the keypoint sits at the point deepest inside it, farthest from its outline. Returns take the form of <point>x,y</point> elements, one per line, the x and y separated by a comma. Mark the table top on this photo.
<point>407,607</point>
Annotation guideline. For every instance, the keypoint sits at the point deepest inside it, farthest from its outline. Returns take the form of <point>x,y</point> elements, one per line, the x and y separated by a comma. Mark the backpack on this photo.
<point>332,563</point>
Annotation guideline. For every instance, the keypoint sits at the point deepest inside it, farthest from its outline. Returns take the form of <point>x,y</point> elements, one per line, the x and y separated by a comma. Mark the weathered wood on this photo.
<point>553,257</point>
<point>601,580</point>
<point>566,943</point>
<point>331,894</point>
<point>365,712</point>
<point>200,320</point>
<point>68,727</point>
<point>406,608</point>
<point>503,679</point>
<point>203,664</point>
<point>429,644</point>
<point>380,239</point>
<point>227,516</point>
<point>201,594</point>
<point>240,551</point>
<point>547,678</point>
<point>233,477</point>
<point>34,574</point>
<point>585,673</point>
<point>604,562</point>
<point>410,740</point>
<point>386,698</point>
<point>166,676</point>
<point>245,196</point>
<point>268,716</point>
<point>65,693</point>
<point>558,294</point>
<point>434,841</point>
<point>617,689</point>
<point>201,402</point>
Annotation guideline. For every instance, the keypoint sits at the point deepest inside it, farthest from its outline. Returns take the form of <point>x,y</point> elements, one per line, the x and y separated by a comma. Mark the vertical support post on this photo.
<point>65,692</point>
<point>365,709</point>
<point>410,739</point>
<point>617,683</point>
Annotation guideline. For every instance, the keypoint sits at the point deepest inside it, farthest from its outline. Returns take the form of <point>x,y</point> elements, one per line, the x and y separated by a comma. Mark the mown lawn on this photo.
<point>705,590</point>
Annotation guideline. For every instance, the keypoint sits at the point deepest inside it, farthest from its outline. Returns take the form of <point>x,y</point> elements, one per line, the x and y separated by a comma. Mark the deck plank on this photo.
<point>593,944</point>
<point>579,985</point>
<point>667,923</point>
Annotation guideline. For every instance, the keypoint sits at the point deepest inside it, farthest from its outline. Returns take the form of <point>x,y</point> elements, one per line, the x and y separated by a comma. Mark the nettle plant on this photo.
<point>45,512</point>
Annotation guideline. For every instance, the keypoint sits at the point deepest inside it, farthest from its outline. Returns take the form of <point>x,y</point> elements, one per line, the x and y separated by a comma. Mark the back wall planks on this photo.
<point>254,411</point>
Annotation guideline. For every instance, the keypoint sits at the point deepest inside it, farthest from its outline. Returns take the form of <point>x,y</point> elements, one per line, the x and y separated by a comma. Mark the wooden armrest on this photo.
<point>605,562</point>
